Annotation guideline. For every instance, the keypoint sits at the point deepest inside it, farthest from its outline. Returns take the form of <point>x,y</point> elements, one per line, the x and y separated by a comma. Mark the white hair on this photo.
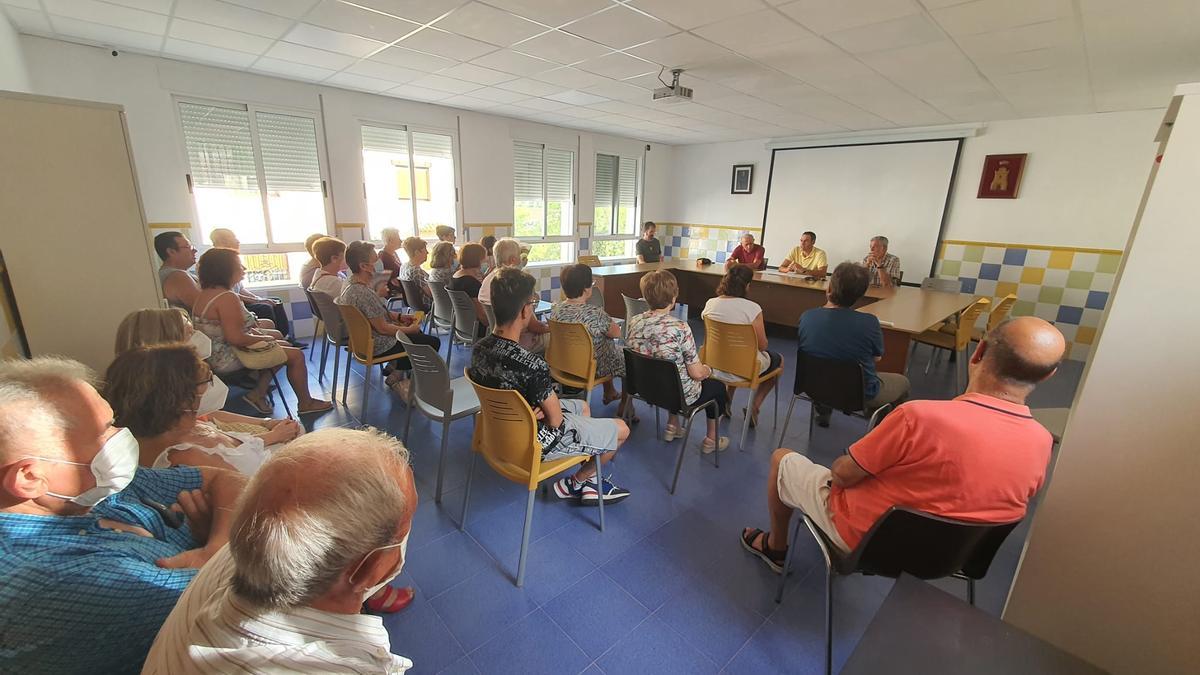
<point>318,506</point>
<point>507,251</point>
<point>27,416</point>
<point>883,241</point>
<point>388,233</point>
<point>746,234</point>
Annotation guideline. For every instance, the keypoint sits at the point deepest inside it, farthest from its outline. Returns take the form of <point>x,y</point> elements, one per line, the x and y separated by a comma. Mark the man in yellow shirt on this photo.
<point>806,258</point>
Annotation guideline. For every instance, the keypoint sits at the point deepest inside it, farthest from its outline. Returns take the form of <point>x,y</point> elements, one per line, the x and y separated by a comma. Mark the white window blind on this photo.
<point>559,175</point>
<point>544,201</point>
<point>616,202</point>
<point>392,175</point>
<point>627,182</point>
<point>606,169</point>
<point>220,152</point>
<point>427,145</point>
<point>289,152</point>
<point>385,139</point>
<point>527,172</point>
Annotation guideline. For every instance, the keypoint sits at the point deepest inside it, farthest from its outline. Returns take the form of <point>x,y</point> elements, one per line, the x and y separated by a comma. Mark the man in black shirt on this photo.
<point>649,249</point>
<point>498,361</point>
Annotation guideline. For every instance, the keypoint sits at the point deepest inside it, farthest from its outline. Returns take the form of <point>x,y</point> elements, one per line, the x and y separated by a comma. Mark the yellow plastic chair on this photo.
<point>733,349</point>
<point>362,346</point>
<point>998,314</point>
<point>957,342</point>
<point>572,357</point>
<point>506,437</point>
<point>590,260</point>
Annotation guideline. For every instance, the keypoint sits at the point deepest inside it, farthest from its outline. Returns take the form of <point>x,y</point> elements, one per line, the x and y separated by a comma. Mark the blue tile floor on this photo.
<point>666,588</point>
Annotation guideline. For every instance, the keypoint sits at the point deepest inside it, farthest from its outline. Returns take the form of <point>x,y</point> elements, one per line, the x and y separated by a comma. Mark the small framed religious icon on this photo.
<point>1001,176</point>
<point>743,179</point>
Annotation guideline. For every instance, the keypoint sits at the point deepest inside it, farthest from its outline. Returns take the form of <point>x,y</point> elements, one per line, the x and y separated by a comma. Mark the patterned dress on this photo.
<point>441,274</point>
<point>223,358</point>
<point>609,361</point>
<point>663,336</point>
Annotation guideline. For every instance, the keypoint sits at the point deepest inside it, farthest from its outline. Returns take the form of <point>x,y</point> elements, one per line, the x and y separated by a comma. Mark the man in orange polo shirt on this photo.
<point>980,457</point>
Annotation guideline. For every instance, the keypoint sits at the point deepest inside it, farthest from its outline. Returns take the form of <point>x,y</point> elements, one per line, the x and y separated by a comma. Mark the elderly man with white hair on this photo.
<point>92,560</point>
<point>747,253</point>
<point>323,525</point>
<point>535,336</point>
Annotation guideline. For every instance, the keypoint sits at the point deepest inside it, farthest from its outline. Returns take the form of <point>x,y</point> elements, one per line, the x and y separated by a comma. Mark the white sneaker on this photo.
<point>671,433</point>
<point>708,446</point>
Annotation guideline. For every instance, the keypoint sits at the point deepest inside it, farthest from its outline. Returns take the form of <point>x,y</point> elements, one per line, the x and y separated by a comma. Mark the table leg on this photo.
<point>895,351</point>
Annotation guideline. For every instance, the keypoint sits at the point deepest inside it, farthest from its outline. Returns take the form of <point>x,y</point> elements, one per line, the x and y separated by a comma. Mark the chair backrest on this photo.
<point>596,298</point>
<point>730,347</point>
<point>634,306</point>
<point>570,354</point>
<point>466,321</point>
<point>966,322</point>
<point>926,546</point>
<point>443,308</point>
<point>335,328</point>
<point>491,315</point>
<point>939,284</point>
<point>312,305</point>
<point>360,332</point>
<point>653,380</point>
<point>1001,310</point>
<point>836,383</point>
<point>590,260</point>
<point>413,295</point>
<point>506,434</point>
<point>431,378</point>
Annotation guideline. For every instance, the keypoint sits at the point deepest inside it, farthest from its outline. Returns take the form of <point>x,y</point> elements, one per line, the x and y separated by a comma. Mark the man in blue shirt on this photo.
<point>90,567</point>
<point>837,331</point>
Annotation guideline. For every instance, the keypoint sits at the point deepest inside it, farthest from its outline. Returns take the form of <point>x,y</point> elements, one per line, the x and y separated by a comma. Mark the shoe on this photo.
<point>612,493</point>
<point>709,446</point>
<point>671,433</point>
<point>823,421</point>
<point>390,599</point>
<point>403,389</point>
<point>568,488</point>
<point>298,344</point>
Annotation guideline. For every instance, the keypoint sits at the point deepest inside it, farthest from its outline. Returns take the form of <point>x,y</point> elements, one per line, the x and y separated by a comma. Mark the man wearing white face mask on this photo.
<point>323,525</point>
<point>90,564</point>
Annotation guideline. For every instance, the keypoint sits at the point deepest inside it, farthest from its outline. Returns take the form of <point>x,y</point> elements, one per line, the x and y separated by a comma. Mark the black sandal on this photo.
<point>772,558</point>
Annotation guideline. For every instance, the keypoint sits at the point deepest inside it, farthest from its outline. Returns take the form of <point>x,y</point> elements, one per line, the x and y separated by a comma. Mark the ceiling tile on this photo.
<point>696,12</point>
<point>551,12</point>
<point>489,24</point>
<point>829,16</point>
<point>286,51</point>
<point>478,74</point>
<point>108,36</point>
<point>157,6</point>
<point>421,11</point>
<point>570,78</point>
<point>415,93</point>
<point>583,113</point>
<point>984,16</point>
<point>407,58</point>
<point>508,61</point>
<point>619,91</point>
<point>927,69</point>
<point>362,82</point>
<point>766,27</point>
<point>330,40</point>
<point>576,97</point>
<point>340,16</point>
<point>292,9</point>
<point>469,102</point>
<point>1025,38</point>
<point>446,84</point>
<point>385,71</point>
<point>102,13</point>
<point>29,21</point>
<point>499,95</point>
<point>530,87</point>
<point>681,50</point>
<point>935,4</point>
<point>191,51</point>
<point>445,44</point>
<point>560,47</point>
<point>291,69</point>
<point>235,17</point>
<point>619,27</point>
<point>204,34</point>
<point>618,65</point>
<point>542,104</point>
<point>905,32</point>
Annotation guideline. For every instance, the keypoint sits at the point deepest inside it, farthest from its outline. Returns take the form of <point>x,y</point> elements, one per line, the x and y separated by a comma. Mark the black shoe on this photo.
<point>823,421</point>
<point>297,344</point>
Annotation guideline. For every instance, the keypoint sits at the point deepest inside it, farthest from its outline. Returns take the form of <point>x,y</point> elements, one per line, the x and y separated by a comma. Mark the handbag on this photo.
<point>261,355</point>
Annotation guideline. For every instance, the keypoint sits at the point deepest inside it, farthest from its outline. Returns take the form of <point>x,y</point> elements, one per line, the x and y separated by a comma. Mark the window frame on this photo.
<point>615,203</point>
<point>571,239</point>
<point>455,161</point>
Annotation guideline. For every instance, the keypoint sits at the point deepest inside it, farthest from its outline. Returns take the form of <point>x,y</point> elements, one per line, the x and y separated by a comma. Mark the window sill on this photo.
<point>271,288</point>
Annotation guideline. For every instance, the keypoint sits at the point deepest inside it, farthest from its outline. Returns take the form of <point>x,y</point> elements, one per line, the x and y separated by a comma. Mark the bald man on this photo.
<point>980,457</point>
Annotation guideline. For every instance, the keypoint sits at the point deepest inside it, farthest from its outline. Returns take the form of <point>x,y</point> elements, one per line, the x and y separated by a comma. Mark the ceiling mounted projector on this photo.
<point>673,93</point>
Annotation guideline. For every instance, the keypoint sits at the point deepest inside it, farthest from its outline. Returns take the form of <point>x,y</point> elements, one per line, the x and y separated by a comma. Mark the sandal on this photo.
<point>710,446</point>
<point>320,407</point>
<point>773,559</point>
<point>671,433</point>
<point>390,599</point>
<point>260,406</point>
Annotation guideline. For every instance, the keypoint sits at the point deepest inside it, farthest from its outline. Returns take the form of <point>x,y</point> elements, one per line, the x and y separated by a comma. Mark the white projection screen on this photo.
<point>848,194</point>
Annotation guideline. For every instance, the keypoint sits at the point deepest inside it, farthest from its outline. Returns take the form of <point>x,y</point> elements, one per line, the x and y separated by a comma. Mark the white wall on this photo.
<point>13,74</point>
<point>701,179</point>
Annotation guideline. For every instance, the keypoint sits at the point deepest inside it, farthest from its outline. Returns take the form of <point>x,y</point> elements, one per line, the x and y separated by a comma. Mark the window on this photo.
<point>544,201</point>
<point>614,224</point>
<point>258,173</point>
<point>398,163</point>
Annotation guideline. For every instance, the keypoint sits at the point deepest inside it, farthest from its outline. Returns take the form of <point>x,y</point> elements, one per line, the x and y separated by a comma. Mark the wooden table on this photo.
<point>902,311</point>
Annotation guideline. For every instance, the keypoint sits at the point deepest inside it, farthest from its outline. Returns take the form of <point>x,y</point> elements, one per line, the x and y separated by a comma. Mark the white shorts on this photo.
<point>583,435</point>
<point>804,485</point>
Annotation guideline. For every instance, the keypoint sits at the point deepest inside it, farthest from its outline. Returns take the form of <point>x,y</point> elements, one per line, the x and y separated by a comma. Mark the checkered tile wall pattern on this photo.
<point>685,241</point>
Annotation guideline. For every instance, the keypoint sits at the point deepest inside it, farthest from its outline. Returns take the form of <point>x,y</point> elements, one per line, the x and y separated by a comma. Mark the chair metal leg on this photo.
<point>525,536</point>
<point>441,461</point>
<point>687,432</point>
<point>407,426</point>
<point>932,353</point>
<point>657,425</point>
<point>346,376</point>
<point>828,622</point>
<point>776,394</point>
<point>787,561</point>
<point>599,484</point>
<point>745,428</point>
<point>462,521</point>
<point>787,420</point>
<point>958,374</point>
<point>337,353</point>
<point>324,355</point>
<point>971,591</point>
<point>282,398</point>
<point>366,392</point>
<point>812,417</point>
<point>313,342</point>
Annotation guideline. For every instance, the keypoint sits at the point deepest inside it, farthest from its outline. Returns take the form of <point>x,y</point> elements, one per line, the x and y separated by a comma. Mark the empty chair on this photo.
<point>506,437</point>
<point>443,309</point>
<point>318,328</point>
<point>335,336</point>
<point>362,346</point>
<point>413,296</point>
<point>491,313</point>
<point>464,328</point>
<point>838,384</point>
<point>957,342</point>
<point>572,358</point>
<point>436,396</point>
<point>733,349</point>
<point>909,542</point>
<point>590,260</point>
<point>633,307</point>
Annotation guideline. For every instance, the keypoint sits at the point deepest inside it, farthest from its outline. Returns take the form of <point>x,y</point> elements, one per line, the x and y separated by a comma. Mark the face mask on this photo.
<point>213,398</point>
<point>202,344</point>
<point>113,468</point>
<point>388,579</point>
<point>379,265</point>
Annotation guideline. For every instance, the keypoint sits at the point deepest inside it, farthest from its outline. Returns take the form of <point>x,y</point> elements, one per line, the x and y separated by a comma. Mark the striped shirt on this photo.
<point>890,264</point>
<point>211,630</point>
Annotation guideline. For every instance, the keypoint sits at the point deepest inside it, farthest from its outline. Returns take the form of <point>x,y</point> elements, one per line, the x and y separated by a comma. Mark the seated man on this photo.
<point>324,525</point>
<point>837,331</point>
<point>883,266</point>
<point>649,248</point>
<point>90,562</point>
<point>179,286</point>
<point>747,253</point>
<point>264,308</point>
<point>806,258</point>
<point>535,334</point>
<point>498,361</point>
<point>980,457</point>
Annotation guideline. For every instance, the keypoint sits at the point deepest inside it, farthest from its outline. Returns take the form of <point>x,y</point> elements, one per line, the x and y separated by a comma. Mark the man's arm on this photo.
<point>551,411</point>
<point>181,287</point>
<point>885,277</point>
<point>847,472</point>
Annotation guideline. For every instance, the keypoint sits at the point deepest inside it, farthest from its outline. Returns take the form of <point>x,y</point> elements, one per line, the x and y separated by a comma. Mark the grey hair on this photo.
<point>318,506</point>
<point>881,239</point>
<point>27,417</point>
<point>746,234</point>
<point>507,250</point>
<point>388,232</point>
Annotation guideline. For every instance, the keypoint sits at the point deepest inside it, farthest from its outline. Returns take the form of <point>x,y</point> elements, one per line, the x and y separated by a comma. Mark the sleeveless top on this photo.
<point>246,456</point>
<point>223,359</point>
<point>163,273</point>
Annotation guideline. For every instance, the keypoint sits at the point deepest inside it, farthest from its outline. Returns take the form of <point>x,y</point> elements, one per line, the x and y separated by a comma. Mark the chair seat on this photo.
<point>735,381</point>
<point>936,338</point>
<point>574,381</point>
<point>466,401</point>
<point>520,474</point>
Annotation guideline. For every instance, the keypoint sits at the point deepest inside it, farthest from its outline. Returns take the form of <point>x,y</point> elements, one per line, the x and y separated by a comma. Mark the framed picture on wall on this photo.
<point>743,179</point>
<point>1001,176</point>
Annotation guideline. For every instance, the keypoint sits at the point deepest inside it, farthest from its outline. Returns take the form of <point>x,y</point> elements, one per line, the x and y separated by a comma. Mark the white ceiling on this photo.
<point>759,68</point>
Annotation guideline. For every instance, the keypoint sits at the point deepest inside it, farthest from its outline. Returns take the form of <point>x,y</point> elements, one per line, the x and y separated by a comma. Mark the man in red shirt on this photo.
<point>980,457</point>
<point>747,253</point>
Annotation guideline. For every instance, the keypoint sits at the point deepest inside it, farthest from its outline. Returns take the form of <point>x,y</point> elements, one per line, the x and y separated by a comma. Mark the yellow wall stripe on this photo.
<point>711,227</point>
<point>170,226</point>
<point>350,226</point>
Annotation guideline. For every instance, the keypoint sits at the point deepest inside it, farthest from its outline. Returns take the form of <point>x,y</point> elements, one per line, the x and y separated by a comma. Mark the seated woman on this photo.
<point>468,279</point>
<point>574,308</point>
<point>731,306</point>
<point>441,262</point>
<point>417,251</point>
<point>390,261</point>
<point>221,316</point>
<point>312,264</point>
<point>361,257</point>
<point>660,334</point>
